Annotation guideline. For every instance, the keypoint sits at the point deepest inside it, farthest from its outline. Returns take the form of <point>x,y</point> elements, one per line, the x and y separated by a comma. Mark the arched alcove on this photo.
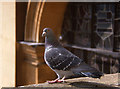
<point>38,16</point>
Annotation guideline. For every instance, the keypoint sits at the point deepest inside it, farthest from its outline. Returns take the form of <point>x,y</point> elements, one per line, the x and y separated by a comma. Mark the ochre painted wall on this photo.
<point>7,44</point>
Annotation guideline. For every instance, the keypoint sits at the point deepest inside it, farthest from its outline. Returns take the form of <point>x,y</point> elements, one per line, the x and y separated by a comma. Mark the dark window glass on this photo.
<point>92,25</point>
<point>77,24</point>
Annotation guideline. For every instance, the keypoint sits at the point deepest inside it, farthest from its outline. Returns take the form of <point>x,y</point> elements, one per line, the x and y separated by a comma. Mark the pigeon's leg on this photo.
<point>57,81</point>
<point>61,80</point>
<point>53,81</point>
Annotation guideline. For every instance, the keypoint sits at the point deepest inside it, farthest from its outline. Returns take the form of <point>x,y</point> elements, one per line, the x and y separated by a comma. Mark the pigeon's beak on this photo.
<point>43,34</point>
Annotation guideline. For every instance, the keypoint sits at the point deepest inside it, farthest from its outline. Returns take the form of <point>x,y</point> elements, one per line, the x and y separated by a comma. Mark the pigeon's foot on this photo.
<point>57,81</point>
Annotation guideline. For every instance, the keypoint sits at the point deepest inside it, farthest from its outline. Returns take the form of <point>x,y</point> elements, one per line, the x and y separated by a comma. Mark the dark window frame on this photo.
<point>115,53</point>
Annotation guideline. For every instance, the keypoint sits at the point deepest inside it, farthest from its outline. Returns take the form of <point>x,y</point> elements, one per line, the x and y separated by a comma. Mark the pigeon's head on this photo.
<point>47,32</point>
<point>50,38</point>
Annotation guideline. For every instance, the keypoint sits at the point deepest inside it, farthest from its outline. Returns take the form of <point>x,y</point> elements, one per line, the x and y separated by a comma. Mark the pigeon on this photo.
<point>63,62</point>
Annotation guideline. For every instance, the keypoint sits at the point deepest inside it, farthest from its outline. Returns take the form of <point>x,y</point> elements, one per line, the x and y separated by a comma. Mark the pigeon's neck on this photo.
<point>51,42</point>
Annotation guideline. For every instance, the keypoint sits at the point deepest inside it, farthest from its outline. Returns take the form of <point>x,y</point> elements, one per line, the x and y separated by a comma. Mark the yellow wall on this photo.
<point>7,44</point>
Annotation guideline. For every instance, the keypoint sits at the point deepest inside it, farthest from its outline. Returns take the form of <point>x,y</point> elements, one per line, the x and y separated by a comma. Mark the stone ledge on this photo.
<point>108,81</point>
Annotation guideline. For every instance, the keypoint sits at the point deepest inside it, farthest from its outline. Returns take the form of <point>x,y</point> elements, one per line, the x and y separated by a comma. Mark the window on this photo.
<point>92,26</point>
<point>77,24</point>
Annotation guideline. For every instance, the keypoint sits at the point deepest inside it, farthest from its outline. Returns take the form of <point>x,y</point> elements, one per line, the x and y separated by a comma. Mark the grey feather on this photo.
<point>63,62</point>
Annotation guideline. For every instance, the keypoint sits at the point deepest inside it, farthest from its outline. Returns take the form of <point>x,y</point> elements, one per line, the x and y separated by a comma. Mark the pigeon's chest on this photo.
<point>51,53</point>
<point>50,56</point>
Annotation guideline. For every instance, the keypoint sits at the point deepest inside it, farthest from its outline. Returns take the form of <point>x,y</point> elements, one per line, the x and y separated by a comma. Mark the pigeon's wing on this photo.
<point>61,59</point>
<point>86,70</point>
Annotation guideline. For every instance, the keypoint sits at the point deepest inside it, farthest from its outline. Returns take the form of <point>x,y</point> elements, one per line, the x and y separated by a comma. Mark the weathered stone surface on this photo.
<point>108,81</point>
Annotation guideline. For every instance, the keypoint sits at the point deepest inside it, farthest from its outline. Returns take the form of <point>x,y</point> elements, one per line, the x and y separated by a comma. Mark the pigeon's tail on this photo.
<point>87,71</point>
<point>95,74</point>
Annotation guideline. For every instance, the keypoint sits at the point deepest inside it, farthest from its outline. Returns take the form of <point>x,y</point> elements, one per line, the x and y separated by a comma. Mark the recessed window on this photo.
<point>93,25</point>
